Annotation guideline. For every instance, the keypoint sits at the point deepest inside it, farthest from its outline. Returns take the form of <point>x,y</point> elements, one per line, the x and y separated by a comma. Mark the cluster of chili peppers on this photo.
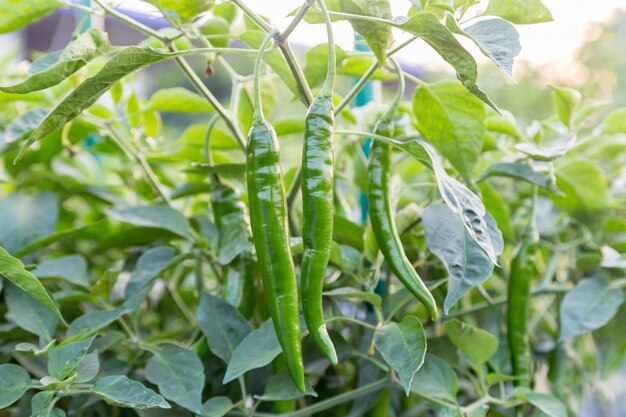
<point>270,227</point>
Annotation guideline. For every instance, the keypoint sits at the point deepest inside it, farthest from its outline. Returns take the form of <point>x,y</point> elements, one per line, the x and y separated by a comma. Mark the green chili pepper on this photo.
<point>270,233</point>
<point>381,212</point>
<point>520,279</point>
<point>317,203</point>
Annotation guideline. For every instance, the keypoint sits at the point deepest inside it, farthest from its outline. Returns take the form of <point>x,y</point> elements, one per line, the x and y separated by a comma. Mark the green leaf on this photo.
<point>584,186</point>
<point>349,292</point>
<point>179,374</point>
<point>40,405</point>
<point>159,216</point>
<point>222,324</point>
<point>91,323</point>
<point>523,172</point>
<point>377,35</point>
<point>557,148</point>
<point>258,349</point>
<point>123,392</point>
<point>24,125</point>
<point>428,27</point>
<point>15,14</point>
<point>498,40</point>
<point>54,237</point>
<point>14,382</point>
<point>550,406</point>
<point>276,61</point>
<point>71,268</point>
<point>477,344</point>
<point>457,197</point>
<point>520,11</point>
<point>588,306</point>
<point>226,11</point>
<point>88,368</point>
<point>467,264</point>
<point>498,208</point>
<point>316,63</point>
<point>63,359</point>
<point>436,379</point>
<point>13,270</point>
<point>503,124</point>
<point>233,241</point>
<point>53,69</point>
<point>29,314</point>
<point>25,218</point>
<point>186,10</point>
<point>217,29</point>
<point>403,346</point>
<point>357,65</point>
<point>566,101</point>
<point>615,122</point>
<point>150,265</point>
<point>454,121</point>
<point>280,387</point>
<point>217,406</point>
<point>127,61</point>
<point>178,99</point>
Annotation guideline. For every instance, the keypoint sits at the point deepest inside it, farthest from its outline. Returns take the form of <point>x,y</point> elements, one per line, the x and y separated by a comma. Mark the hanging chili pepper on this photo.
<point>270,233</point>
<point>381,212</point>
<point>317,203</point>
<point>520,279</point>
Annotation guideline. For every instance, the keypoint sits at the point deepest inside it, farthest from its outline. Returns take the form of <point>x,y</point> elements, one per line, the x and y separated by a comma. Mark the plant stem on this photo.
<point>351,320</point>
<point>141,160</point>
<point>356,88</point>
<point>202,88</point>
<point>130,21</point>
<point>302,11</point>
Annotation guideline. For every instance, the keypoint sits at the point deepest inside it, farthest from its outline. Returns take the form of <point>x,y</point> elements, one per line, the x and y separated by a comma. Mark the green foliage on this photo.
<point>108,218</point>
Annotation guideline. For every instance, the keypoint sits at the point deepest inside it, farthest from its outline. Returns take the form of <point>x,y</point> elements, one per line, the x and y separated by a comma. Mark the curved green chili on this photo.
<point>520,279</point>
<point>381,212</point>
<point>270,233</point>
<point>317,203</point>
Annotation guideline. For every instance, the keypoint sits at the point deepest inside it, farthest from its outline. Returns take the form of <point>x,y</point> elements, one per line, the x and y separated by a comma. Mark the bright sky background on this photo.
<point>543,43</point>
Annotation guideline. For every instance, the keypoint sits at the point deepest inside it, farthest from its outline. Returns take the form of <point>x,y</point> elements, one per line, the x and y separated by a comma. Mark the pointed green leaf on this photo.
<point>615,122</point>
<point>14,382</point>
<point>217,406</point>
<point>71,268</point>
<point>123,392</point>
<point>24,125</point>
<point>51,70</point>
<point>523,172</point>
<point>29,314</point>
<point>403,346</point>
<point>436,379</point>
<point>454,121</point>
<point>377,35</point>
<point>91,323</point>
<point>127,61</point>
<point>223,334</point>
<point>13,270</point>
<point>588,306</point>
<point>467,264</point>
<point>478,344</point>
<point>63,359</point>
<point>178,99</point>
<point>349,292</point>
<point>15,14</point>
<point>519,11</point>
<point>88,368</point>
<point>158,215</point>
<point>550,406</point>
<point>497,39</point>
<point>566,101</point>
<point>179,374</point>
<point>150,265</point>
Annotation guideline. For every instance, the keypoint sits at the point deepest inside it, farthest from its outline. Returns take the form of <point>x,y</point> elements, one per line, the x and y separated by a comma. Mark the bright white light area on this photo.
<point>541,43</point>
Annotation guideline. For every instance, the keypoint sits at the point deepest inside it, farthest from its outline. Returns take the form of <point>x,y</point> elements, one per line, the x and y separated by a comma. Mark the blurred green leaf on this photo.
<point>124,392</point>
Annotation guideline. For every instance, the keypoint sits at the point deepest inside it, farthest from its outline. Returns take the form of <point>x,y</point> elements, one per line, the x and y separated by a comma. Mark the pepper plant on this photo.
<point>256,261</point>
